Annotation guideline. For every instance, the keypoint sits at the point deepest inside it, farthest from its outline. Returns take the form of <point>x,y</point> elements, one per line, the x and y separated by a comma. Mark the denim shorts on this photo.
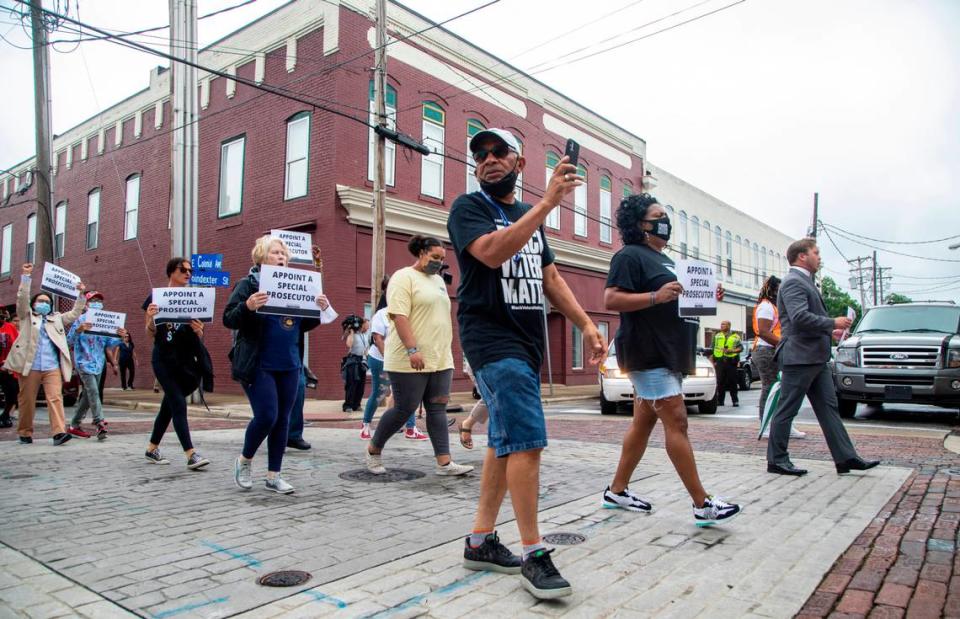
<point>511,390</point>
<point>656,384</point>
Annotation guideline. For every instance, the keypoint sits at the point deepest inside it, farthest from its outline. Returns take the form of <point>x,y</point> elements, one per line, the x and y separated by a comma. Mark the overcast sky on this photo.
<point>761,104</point>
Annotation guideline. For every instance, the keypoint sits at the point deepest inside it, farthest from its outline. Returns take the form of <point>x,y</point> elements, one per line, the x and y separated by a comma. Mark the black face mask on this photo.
<point>661,227</point>
<point>503,187</point>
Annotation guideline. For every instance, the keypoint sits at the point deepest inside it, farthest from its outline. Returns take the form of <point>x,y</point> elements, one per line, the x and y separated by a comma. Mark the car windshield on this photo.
<point>911,319</point>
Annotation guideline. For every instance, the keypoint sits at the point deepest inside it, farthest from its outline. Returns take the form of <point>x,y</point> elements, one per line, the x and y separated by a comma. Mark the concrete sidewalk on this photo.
<point>236,406</point>
<point>92,530</point>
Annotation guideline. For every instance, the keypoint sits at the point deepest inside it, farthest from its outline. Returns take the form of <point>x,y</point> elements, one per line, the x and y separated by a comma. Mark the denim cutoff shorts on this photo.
<point>511,391</point>
<point>656,384</point>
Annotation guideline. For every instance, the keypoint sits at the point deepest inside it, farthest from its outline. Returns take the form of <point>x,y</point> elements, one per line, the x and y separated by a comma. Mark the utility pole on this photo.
<point>378,246</point>
<point>816,215</point>
<point>184,141</point>
<point>44,146</point>
<point>875,278</point>
<point>882,280</point>
<point>856,278</point>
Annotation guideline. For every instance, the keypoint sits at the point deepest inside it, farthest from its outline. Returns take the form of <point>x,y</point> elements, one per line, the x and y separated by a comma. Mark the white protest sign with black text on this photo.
<point>183,304</point>
<point>57,280</point>
<point>699,283</point>
<point>292,292</point>
<point>300,245</point>
<point>103,322</point>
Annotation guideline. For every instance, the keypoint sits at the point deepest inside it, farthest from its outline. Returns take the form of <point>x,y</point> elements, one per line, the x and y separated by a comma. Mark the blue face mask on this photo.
<point>42,308</point>
<point>96,305</point>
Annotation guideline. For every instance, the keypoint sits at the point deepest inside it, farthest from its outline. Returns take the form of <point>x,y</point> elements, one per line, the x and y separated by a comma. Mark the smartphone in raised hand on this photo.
<point>573,151</point>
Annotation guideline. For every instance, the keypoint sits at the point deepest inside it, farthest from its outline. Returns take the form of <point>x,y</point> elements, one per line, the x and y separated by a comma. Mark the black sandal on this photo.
<point>467,444</point>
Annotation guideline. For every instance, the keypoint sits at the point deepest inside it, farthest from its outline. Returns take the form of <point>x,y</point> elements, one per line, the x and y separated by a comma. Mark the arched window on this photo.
<point>763,257</point>
<point>695,237</point>
<point>728,254</point>
<point>60,229</point>
<point>390,152</point>
<point>682,234</point>
<point>553,218</point>
<point>93,218</point>
<point>298,156</point>
<point>431,171</point>
<point>580,204</point>
<point>627,189</point>
<point>606,209</point>
<point>31,237</point>
<point>718,250</point>
<point>131,209</point>
<point>756,264</point>
<point>473,128</point>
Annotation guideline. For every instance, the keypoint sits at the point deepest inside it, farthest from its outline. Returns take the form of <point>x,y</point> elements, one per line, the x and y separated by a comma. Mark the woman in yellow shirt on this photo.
<point>418,354</point>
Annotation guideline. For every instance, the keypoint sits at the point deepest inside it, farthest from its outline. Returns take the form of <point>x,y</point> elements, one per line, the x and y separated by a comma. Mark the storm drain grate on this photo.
<point>391,475</point>
<point>564,539</point>
<point>284,578</point>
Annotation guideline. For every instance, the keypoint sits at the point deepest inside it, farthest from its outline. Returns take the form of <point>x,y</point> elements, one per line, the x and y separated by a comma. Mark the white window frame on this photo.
<point>297,157</point>
<point>93,219</point>
<point>31,249</point>
<point>580,208</point>
<point>604,328</point>
<point>682,234</point>
<point>6,251</point>
<point>131,207</point>
<point>472,183</point>
<point>576,352</point>
<point>434,135</point>
<point>390,148</point>
<point>60,230</point>
<point>695,237</point>
<point>227,152</point>
<point>606,212</point>
<point>553,217</point>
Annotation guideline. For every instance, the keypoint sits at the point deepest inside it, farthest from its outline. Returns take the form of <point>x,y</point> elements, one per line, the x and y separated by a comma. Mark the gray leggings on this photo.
<point>409,390</point>
<point>767,366</point>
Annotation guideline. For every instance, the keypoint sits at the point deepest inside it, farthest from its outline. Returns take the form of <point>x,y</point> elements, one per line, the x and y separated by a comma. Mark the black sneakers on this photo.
<point>490,556</point>
<point>60,439</point>
<point>196,461</point>
<point>542,579</point>
<point>26,440</point>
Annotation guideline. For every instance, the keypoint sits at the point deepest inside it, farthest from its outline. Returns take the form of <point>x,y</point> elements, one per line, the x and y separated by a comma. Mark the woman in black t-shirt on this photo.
<point>642,285</point>
<point>180,363</point>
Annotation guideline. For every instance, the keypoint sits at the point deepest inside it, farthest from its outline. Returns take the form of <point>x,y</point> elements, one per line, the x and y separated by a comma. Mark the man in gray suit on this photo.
<point>803,353</point>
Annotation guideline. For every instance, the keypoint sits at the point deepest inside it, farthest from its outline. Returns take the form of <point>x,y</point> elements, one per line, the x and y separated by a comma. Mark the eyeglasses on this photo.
<point>500,151</point>
<point>185,270</point>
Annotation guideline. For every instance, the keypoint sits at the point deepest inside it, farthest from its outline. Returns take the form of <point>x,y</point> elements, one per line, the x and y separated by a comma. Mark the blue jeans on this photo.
<point>511,390</point>
<point>379,378</point>
<point>656,384</point>
<point>271,394</point>
<point>296,415</point>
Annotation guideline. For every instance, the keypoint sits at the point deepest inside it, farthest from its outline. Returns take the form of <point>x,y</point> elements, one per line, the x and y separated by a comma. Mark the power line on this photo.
<point>890,251</point>
<point>841,230</point>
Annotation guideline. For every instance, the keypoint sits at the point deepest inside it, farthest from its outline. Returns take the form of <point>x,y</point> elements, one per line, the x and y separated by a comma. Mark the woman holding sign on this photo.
<point>41,356</point>
<point>180,363</point>
<point>418,355</point>
<point>642,285</point>
<point>266,357</point>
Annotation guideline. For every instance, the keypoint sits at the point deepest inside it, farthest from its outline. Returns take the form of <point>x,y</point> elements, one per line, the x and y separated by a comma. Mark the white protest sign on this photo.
<point>852,315</point>
<point>300,245</point>
<point>292,292</point>
<point>181,304</point>
<point>57,280</point>
<point>699,283</point>
<point>103,322</point>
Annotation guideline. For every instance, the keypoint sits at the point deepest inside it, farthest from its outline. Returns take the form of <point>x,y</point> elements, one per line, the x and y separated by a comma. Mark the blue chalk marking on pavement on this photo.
<point>323,597</point>
<point>187,608</point>
<point>233,554</point>
<point>439,592</point>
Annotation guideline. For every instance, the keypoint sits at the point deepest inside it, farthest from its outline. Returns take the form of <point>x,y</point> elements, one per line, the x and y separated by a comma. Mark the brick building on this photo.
<point>269,162</point>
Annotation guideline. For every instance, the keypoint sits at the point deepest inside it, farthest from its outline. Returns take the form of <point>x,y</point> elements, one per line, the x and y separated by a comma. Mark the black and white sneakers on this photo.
<point>490,556</point>
<point>196,461</point>
<point>625,500</point>
<point>153,456</point>
<point>542,579</point>
<point>714,511</point>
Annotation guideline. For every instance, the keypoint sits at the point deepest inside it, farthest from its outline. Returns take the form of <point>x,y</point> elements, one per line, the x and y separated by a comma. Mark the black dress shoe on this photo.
<point>855,464</point>
<point>785,469</point>
<point>736,404</point>
<point>298,443</point>
<point>25,440</point>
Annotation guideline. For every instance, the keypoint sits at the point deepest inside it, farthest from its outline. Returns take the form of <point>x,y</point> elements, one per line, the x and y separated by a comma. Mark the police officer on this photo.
<point>727,347</point>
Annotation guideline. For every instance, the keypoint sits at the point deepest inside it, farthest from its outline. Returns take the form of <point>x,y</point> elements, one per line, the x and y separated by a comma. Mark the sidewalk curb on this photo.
<point>952,442</point>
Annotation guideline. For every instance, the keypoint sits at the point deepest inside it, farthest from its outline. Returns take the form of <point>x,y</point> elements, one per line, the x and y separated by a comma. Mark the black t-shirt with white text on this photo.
<point>175,343</point>
<point>500,310</point>
<point>652,337</point>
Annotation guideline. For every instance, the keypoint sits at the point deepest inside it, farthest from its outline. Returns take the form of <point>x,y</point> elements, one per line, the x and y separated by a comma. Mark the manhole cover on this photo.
<point>285,578</point>
<point>564,539</point>
<point>390,476</point>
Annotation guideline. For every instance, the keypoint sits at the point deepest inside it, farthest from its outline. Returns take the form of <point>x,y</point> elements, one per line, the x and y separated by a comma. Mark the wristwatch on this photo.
<point>412,351</point>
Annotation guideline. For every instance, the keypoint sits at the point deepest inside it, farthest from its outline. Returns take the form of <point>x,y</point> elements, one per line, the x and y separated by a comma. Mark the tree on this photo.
<point>895,297</point>
<point>837,301</point>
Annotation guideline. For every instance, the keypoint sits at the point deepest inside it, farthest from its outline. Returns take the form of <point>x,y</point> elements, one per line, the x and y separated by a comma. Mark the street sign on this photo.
<point>207,262</point>
<point>219,279</point>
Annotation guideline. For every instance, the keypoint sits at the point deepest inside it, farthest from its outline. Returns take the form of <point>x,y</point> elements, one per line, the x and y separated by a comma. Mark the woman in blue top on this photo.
<point>266,361</point>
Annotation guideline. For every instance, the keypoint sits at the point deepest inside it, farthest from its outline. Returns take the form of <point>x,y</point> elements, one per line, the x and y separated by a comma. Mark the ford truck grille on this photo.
<point>900,357</point>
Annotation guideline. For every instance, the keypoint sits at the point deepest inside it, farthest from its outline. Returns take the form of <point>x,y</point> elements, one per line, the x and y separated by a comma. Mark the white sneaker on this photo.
<point>714,511</point>
<point>243,473</point>
<point>278,485</point>
<point>794,433</point>
<point>625,500</point>
<point>375,463</point>
<point>452,468</point>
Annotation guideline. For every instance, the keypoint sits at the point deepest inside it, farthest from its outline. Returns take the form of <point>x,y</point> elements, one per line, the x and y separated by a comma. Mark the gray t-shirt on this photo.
<point>359,346</point>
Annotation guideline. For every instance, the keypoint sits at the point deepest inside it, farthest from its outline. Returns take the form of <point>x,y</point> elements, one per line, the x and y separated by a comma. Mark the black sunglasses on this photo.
<point>185,270</point>
<point>500,151</point>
